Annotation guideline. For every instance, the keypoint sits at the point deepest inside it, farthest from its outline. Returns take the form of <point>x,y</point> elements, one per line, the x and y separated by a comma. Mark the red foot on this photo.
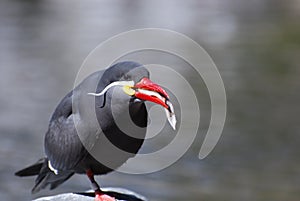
<point>103,197</point>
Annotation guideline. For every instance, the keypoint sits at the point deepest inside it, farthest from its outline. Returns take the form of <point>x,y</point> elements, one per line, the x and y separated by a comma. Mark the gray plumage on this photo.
<point>64,141</point>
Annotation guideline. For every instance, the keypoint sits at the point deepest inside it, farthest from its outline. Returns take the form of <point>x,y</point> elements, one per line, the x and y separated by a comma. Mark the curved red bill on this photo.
<point>147,84</point>
<point>148,90</point>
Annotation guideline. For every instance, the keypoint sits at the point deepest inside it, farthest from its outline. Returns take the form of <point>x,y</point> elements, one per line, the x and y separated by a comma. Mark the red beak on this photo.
<point>147,86</point>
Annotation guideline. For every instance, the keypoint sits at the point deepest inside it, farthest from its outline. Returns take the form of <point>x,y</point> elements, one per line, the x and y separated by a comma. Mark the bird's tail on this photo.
<point>31,170</point>
<point>45,175</point>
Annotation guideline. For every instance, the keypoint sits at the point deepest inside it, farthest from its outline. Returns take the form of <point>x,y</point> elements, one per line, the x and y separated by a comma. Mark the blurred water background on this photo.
<point>255,45</point>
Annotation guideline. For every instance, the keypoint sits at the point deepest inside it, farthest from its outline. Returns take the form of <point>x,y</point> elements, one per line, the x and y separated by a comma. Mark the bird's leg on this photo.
<point>99,195</point>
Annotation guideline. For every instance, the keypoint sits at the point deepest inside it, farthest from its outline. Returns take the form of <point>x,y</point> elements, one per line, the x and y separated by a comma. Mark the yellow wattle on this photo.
<point>128,90</point>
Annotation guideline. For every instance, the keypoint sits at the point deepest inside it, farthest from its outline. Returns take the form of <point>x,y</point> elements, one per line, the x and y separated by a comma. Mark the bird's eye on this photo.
<point>126,77</point>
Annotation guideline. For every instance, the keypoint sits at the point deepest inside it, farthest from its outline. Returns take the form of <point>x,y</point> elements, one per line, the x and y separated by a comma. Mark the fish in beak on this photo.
<point>146,90</point>
<point>149,91</point>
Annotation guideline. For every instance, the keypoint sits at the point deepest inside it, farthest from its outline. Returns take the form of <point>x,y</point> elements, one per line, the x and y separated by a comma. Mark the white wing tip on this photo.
<point>52,168</point>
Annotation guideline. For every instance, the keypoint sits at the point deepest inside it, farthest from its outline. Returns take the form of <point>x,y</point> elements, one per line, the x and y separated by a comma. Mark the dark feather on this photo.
<point>31,170</point>
<point>64,148</point>
<point>45,175</point>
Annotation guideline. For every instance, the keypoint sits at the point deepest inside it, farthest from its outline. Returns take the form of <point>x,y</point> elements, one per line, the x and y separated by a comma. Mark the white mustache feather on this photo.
<point>117,83</point>
<point>169,112</point>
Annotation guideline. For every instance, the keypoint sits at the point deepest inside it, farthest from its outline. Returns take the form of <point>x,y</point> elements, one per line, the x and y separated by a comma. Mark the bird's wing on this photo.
<point>62,144</point>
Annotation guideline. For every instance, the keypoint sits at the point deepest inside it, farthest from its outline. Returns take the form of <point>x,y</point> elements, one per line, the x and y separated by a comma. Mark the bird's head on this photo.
<point>147,90</point>
<point>136,83</point>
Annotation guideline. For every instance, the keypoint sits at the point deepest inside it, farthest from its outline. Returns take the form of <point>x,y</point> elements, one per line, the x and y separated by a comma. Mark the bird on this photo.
<point>98,126</point>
